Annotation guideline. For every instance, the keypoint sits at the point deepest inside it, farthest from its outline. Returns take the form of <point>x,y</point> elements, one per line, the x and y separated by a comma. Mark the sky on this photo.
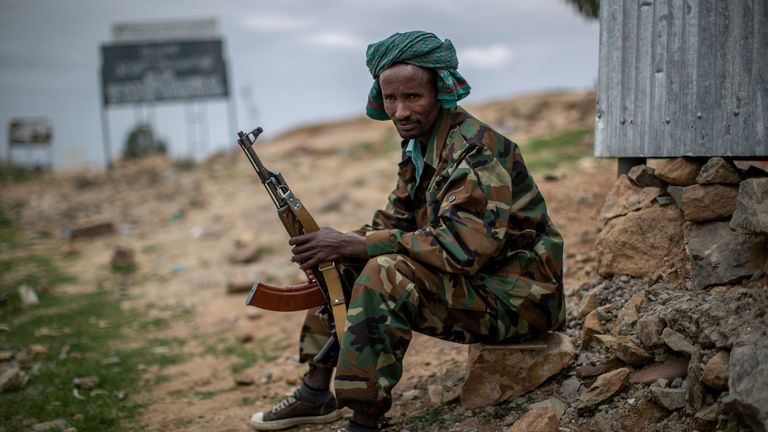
<point>291,62</point>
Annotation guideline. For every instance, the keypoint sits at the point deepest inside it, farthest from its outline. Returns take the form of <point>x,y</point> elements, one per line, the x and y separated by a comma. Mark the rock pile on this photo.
<point>704,221</point>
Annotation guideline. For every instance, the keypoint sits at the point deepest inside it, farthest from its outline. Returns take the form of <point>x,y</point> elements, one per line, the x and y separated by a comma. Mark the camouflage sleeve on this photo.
<point>467,219</point>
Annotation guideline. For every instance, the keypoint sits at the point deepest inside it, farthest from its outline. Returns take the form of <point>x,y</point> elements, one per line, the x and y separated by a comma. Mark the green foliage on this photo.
<point>142,142</point>
<point>434,416</point>
<point>586,8</point>
<point>543,155</point>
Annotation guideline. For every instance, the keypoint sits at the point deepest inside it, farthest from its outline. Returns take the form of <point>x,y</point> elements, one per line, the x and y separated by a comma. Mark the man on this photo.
<point>464,250</point>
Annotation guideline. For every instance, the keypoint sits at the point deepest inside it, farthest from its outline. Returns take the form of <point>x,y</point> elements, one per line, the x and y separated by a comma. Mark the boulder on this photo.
<point>716,371</point>
<point>10,378</point>
<point>496,374</point>
<point>644,176</point>
<point>625,197</point>
<point>703,203</point>
<point>718,171</point>
<point>604,387</point>
<point>679,171</point>
<point>751,214</point>
<point>643,243</point>
<point>541,419</point>
<point>748,383</point>
<point>720,255</point>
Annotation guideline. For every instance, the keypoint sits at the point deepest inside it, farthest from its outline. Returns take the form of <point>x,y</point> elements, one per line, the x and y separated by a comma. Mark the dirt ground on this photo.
<point>185,224</point>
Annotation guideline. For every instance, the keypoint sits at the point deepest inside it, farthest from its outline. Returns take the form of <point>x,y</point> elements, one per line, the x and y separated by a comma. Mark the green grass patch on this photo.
<point>73,336</point>
<point>77,347</point>
<point>434,416</point>
<point>16,174</point>
<point>545,154</point>
<point>246,355</point>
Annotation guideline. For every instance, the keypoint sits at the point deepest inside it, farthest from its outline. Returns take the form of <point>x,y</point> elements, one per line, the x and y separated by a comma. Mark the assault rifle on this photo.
<point>325,290</point>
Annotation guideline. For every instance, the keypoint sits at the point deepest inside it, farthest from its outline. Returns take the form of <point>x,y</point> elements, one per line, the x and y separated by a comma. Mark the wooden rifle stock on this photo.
<point>286,299</point>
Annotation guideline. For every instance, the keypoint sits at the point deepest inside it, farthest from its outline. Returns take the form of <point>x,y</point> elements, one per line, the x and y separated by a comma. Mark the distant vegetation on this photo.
<point>544,155</point>
<point>586,8</point>
<point>142,142</point>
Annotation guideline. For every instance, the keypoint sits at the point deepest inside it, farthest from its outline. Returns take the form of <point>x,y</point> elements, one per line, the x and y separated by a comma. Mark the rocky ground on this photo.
<point>198,235</point>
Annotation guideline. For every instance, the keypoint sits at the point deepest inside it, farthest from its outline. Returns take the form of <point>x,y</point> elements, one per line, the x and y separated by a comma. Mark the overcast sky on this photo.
<point>292,62</point>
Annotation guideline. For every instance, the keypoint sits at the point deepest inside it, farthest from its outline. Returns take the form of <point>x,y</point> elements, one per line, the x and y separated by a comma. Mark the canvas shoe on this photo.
<point>291,412</point>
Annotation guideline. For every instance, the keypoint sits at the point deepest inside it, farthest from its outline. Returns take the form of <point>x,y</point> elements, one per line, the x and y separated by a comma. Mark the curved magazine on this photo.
<point>285,299</point>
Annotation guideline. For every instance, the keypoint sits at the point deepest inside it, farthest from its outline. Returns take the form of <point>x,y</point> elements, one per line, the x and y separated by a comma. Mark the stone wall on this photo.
<point>703,221</point>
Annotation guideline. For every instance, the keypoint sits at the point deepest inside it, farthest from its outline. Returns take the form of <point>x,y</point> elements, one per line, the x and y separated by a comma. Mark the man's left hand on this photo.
<point>326,245</point>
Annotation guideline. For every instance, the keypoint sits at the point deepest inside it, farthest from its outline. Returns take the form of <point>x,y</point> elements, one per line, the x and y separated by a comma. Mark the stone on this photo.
<point>669,398</point>
<point>648,330</point>
<point>123,258</point>
<point>643,243</point>
<point>244,380</point>
<point>604,387</point>
<point>592,325</point>
<point>708,414</point>
<point>435,393</point>
<point>90,229</point>
<point>720,255</point>
<point>570,387</point>
<point>10,378</point>
<point>88,382</point>
<point>556,404</point>
<point>588,302</point>
<point>718,171</point>
<point>51,426</point>
<point>625,197</point>
<point>678,171</point>
<point>702,203</point>
<point>537,420</point>
<point>644,176</point>
<point>669,370</point>
<point>592,371</point>
<point>748,383</point>
<point>752,168</point>
<point>626,350</point>
<point>695,387</point>
<point>246,254</point>
<point>751,214</point>
<point>642,417</point>
<point>676,192</point>
<point>495,375</point>
<point>676,341</point>
<point>238,284</point>
<point>7,355</point>
<point>716,371</point>
<point>628,315</point>
<point>28,295</point>
<point>35,349</point>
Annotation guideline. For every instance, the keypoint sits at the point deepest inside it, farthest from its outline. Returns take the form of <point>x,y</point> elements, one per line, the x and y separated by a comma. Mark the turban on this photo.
<point>421,49</point>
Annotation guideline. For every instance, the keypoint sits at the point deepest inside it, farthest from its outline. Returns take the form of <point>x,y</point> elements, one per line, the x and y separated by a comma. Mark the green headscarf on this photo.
<point>421,49</point>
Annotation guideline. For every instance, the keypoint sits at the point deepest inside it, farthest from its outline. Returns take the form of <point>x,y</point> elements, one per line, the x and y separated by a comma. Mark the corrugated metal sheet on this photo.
<point>682,78</point>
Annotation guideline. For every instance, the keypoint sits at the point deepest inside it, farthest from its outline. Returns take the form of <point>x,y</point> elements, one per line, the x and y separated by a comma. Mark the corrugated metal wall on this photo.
<point>682,78</point>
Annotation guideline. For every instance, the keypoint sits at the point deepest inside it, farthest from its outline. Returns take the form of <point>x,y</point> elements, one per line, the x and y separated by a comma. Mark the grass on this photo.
<point>546,154</point>
<point>246,354</point>
<point>434,416</point>
<point>74,335</point>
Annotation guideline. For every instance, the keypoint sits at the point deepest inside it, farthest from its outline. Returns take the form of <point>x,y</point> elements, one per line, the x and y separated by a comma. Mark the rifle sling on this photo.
<point>330,276</point>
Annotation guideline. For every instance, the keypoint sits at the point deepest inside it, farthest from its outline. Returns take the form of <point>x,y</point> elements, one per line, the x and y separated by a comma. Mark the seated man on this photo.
<point>464,250</point>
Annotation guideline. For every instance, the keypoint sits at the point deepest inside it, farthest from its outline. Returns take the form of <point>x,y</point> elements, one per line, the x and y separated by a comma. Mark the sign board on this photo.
<point>165,30</point>
<point>30,131</point>
<point>163,71</point>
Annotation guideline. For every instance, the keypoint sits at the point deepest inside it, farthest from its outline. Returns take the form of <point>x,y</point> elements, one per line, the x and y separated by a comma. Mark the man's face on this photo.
<point>410,100</point>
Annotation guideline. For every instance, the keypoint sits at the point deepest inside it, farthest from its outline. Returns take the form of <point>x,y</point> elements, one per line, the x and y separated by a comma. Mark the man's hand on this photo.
<point>313,249</point>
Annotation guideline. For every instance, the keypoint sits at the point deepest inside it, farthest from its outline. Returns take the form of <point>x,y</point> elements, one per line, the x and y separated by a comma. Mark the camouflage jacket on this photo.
<point>476,211</point>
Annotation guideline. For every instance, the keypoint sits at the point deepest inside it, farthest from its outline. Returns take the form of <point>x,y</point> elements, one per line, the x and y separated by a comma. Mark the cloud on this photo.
<point>275,22</point>
<point>333,39</point>
<point>490,57</point>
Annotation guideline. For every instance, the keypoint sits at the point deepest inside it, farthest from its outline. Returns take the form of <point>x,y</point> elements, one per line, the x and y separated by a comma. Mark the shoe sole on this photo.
<point>295,421</point>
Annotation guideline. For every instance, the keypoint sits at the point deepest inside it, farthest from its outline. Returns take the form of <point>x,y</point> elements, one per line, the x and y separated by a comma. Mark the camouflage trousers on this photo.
<point>389,297</point>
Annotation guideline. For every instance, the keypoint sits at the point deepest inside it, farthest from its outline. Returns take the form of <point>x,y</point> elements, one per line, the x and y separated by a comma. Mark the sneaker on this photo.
<point>291,412</point>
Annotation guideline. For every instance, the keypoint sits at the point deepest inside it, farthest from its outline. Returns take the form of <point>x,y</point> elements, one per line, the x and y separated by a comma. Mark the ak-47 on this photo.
<point>326,289</point>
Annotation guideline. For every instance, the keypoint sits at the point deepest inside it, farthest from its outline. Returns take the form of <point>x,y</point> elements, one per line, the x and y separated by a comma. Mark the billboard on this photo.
<point>30,131</point>
<point>163,71</point>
